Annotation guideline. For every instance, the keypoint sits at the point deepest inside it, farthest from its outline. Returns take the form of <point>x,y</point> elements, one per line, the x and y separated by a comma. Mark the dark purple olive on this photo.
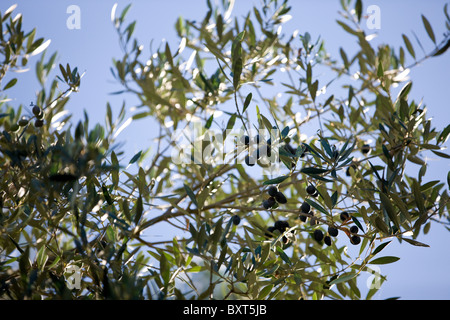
<point>318,235</point>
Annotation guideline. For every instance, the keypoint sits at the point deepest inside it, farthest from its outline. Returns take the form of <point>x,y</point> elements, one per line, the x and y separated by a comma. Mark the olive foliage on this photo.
<point>69,196</point>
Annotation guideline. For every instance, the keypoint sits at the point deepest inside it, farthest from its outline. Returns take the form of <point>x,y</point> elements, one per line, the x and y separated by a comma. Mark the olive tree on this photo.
<point>265,192</point>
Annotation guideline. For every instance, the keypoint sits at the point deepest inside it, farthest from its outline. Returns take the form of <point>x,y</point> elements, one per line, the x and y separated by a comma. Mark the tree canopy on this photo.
<point>264,207</point>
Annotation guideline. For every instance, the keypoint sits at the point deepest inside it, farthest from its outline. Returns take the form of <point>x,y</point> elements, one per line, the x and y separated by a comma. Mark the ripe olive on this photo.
<point>268,150</point>
<point>245,140</point>
<point>333,231</point>
<point>280,197</point>
<point>305,207</point>
<point>236,220</point>
<point>272,191</point>
<point>318,235</point>
<point>354,229</point>
<point>23,122</point>
<point>311,189</point>
<point>355,240</point>
<point>268,203</point>
<point>250,161</point>
<point>281,225</point>
<point>344,216</point>
<point>39,123</point>
<point>36,111</point>
<point>327,240</point>
<point>269,231</point>
<point>303,218</point>
<point>365,149</point>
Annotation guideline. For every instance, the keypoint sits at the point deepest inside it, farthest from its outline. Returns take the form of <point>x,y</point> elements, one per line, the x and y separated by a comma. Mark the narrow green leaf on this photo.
<point>429,29</point>
<point>313,89</point>
<point>441,154</point>
<point>344,57</point>
<point>418,197</point>
<point>448,179</point>
<point>164,268</point>
<point>385,260</point>
<point>443,135</point>
<point>380,71</point>
<point>237,70</point>
<point>247,101</point>
<point>358,9</point>
<point>442,49</point>
<point>230,125</point>
<point>110,234</point>
<point>266,122</point>
<point>356,221</point>
<point>190,193</point>
<point>381,225</point>
<point>275,180</point>
<point>16,244</point>
<point>283,255</point>
<point>409,46</point>
<point>326,147</point>
<point>415,243</point>
<point>387,205</point>
<point>334,198</point>
<point>285,132</point>
<point>138,210</point>
<point>231,121</point>
<point>320,255</point>
<point>106,194</point>
<point>135,157</point>
<point>317,206</point>
<point>236,59</point>
<point>403,94</point>
<point>308,74</point>
<point>41,258</point>
<point>380,247</point>
<point>344,278</point>
<point>265,291</point>
<point>347,28</point>
<point>328,101</point>
<point>63,72</point>
<point>10,84</point>
<point>209,122</point>
<point>374,170</point>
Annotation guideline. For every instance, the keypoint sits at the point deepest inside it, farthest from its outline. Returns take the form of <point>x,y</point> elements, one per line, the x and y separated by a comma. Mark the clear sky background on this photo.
<point>421,273</point>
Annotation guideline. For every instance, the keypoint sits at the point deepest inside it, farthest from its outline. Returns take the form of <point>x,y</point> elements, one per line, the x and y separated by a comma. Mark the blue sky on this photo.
<point>421,273</point>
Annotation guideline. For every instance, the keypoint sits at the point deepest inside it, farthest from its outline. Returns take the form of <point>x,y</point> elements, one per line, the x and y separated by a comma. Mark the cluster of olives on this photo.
<point>332,231</point>
<point>281,226</point>
<point>24,121</point>
<point>354,238</point>
<point>276,196</point>
<point>261,149</point>
<point>305,213</point>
